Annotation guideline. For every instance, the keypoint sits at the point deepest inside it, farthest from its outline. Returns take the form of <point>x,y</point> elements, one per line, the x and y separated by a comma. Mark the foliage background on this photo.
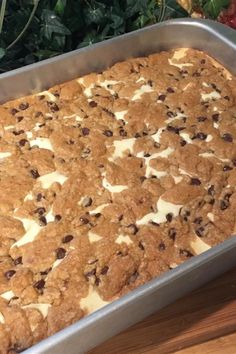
<point>59,26</point>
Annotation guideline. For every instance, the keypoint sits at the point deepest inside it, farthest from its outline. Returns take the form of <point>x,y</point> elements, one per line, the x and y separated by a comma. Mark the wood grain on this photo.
<point>207,313</point>
<point>225,345</point>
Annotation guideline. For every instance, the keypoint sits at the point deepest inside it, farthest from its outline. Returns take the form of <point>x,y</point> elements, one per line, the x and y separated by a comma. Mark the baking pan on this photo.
<point>218,41</point>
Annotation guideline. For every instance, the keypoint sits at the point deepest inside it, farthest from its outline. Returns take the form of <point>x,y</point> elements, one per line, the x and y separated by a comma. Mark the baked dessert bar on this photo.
<point>106,182</point>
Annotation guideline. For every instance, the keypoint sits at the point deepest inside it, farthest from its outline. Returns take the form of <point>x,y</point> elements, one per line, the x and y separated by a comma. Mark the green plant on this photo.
<point>32,30</point>
<point>35,30</point>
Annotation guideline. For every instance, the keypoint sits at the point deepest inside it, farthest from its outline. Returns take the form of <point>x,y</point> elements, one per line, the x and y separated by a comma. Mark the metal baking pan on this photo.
<point>218,41</point>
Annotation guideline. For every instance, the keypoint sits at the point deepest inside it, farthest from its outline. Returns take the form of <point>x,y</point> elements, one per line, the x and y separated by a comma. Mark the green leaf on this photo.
<point>95,13</point>
<point>213,7</point>
<point>2,53</point>
<point>52,24</point>
<point>44,54</point>
<point>173,10</point>
<point>60,7</point>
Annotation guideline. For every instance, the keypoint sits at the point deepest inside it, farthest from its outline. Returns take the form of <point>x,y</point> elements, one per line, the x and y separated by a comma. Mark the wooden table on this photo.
<point>189,326</point>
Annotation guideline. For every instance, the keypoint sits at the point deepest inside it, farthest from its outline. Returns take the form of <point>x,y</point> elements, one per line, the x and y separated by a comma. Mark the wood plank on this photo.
<point>207,313</point>
<point>225,344</point>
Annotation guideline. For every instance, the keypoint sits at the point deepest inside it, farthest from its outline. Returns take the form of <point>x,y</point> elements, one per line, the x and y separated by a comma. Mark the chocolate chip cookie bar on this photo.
<point>106,182</point>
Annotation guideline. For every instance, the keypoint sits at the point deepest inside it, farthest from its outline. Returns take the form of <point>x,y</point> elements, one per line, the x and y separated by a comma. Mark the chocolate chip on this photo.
<point>195,182</point>
<point>87,201</point>
<point>60,253</point>
<point>104,270</point>
<point>175,130</point>
<point>172,233</point>
<point>42,221</point>
<point>70,142</point>
<point>84,220</point>
<point>90,273</point>
<point>85,153</point>
<point>201,136</point>
<point>212,201</point>
<point>161,246</point>
<point>34,173</point>
<point>39,197</point>
<point>46,271</point>
<point>17,261</point>
<point>170,90</point>
<point>24,106</point>
<point>224,204</point>
<point>38,114</point>
<point>169,217</point>
<point>85,131</point>
<point>227,98</point>
<point>108,133</point>
<point>227,168</point>
<point>109,112</point>
<point>147,155</point>
<point>215,117</point>
<point>67,238</point>
<point>14,111</point>
<point>154,223</point>
<point>97,215</point>
<point>9,274</point>
<point>53,106</point>
<point>162,98</point>
<point>119,253</point>
<point>137,135</point>
<point>93,104</point>
<point>227,137</point>
<point>122,132</point>
<point>40,211</point>
<point>19,119</point>
<point>19,132</point>
<point>201,119</point>
<point>97,281</point>
<point>140,245</point>
<point>133,228</point>
<point>157,145</point>
<point>198,220</point>
<point>185,253</point>
<point>227,196</point>
<point>120,217</point>
<point>211,190</point>
<point>170,114</point>
<point>39,285</point>
<point>22,142</point>
<point>184,213</point>
<point>234,162</point>
<point>57,217</point>
<point>183,142</point>
<point>142,178</point>
<point>203,61</point>
<point>200,231</point>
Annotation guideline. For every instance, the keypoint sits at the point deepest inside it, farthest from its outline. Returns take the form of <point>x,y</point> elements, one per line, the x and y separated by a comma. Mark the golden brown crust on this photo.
<point>108,181</point>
